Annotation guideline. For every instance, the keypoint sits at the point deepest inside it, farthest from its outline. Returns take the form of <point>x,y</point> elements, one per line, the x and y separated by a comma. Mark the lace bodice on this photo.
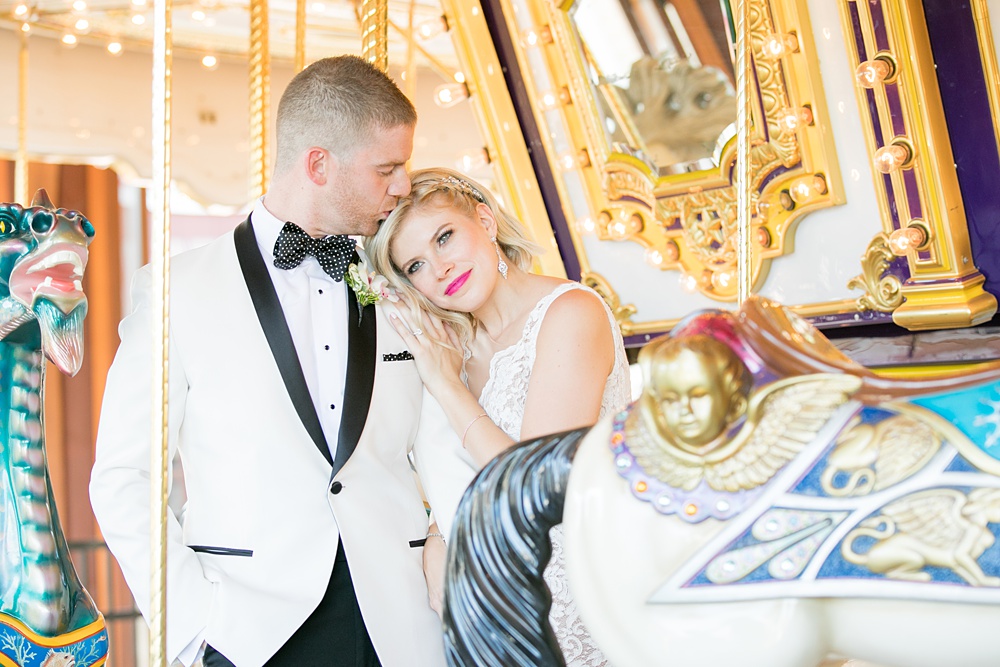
<point>506,391</point>
<point>503,398</point>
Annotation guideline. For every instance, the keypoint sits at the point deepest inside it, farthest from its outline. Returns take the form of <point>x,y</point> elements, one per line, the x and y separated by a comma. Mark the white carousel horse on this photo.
<point>765,503</point>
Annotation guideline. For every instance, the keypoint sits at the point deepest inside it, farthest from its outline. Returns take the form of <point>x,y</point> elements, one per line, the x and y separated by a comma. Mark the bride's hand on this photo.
<point>434,567</point>
<point>433,343</point>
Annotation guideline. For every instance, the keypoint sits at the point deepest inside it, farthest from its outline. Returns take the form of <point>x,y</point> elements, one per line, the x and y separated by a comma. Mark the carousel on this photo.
<point>788,206</point>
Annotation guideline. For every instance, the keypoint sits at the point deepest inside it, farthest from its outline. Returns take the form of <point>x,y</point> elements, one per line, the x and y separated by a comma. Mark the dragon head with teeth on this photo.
<point>43,254</point>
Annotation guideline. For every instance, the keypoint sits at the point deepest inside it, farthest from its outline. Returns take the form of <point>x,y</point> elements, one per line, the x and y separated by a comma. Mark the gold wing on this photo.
<point>782,418</point>
<point>934,517</point>
<point>904,447</point>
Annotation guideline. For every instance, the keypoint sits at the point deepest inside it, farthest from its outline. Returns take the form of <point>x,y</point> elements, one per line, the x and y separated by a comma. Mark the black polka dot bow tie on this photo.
<point>334,253</point>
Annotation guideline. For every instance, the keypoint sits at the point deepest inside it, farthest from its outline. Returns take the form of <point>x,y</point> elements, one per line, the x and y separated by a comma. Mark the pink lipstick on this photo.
<point>457,283</point>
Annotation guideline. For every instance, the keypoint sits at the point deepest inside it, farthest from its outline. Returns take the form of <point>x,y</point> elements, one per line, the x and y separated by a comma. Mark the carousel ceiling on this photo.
<point>221,28</point>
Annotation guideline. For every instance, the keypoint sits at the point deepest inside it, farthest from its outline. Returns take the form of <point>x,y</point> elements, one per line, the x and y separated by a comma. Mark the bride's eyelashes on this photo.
<point>441,239</point>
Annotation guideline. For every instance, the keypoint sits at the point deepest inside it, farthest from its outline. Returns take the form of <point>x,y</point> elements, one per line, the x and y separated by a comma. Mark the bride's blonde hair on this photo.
<point>440,188</point>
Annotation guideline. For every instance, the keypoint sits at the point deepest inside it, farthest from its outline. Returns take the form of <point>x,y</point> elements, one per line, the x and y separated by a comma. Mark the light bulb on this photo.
<point>671,252</point>
<point>115,48</point>
<point>197,15</point>
<point>653,257</point>
<point>763,237</point>
<point>792,119</point>
<point>873,72</point>
<point>138,19</point>
<point>82,25</point>
<point>777,45</point>
<point>806,188</point>
<point>548,100</point>
<point>618,229</point>
<point>586,225</point>
<point>906,239</point>
<point>689,283</point>
<point>474,160</point>
<point>69,40</point>
<point>459,77</point>
<point>21,10</point>
<point>431,28</point>
<point>890,158</point>
<point>209,62</point>
<point>536,36</point>
<point>449,94</point>
<point>25,27</point>
<point>722,279</point>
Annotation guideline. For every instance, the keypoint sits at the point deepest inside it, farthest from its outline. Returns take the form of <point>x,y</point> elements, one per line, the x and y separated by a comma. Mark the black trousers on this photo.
<point>333,636</point>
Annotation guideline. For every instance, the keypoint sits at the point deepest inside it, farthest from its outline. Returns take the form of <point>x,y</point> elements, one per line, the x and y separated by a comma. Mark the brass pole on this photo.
<point>21,157</point>
<point>300,35</point>
<point>260,93</point>
<point>374,32</point>
<point>160,254</point>
<point>744,121</point>
<point>411,62</point>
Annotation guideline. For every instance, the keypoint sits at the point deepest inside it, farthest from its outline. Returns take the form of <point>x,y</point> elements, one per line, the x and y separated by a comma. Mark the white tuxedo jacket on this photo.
<point>251,556</point>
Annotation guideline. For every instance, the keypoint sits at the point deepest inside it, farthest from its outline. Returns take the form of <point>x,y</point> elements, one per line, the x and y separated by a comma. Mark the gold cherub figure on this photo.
<point>696,392</point>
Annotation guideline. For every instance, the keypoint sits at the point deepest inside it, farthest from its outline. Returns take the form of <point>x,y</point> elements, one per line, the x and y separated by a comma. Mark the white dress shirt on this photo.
<point>315,308</point>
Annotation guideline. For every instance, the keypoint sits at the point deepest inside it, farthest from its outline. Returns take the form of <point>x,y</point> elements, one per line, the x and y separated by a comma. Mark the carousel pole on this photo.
<point>744,120</point>
<point>260,93</point>
<point>21,157</point>
<point>160,256</point>
<point>374,32</point>
<point>300,35</point>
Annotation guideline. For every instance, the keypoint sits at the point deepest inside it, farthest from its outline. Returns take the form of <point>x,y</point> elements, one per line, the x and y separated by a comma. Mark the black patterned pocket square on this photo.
<point>398,356</point>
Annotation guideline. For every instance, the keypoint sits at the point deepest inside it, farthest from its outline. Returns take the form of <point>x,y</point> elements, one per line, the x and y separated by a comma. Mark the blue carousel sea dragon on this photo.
<point>47,618</point>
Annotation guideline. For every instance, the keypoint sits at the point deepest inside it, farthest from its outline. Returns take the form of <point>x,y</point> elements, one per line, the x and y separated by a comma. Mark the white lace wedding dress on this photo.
<point>445,468</point>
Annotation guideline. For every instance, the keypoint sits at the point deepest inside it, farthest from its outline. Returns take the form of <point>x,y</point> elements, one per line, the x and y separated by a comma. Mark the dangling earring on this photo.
<point>501,265</point>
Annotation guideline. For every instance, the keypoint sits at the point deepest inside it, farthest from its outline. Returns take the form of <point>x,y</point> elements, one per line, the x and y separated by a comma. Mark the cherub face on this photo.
<point>692,400</point>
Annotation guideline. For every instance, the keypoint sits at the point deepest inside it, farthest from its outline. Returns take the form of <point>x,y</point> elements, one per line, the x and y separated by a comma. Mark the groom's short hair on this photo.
<point>339,104</point>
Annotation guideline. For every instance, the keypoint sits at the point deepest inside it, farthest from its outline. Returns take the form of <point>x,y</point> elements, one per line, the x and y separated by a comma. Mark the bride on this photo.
<point>507,354</point>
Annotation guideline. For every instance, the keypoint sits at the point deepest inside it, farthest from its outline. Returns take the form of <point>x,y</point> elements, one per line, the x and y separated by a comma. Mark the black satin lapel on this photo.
<point>272,321</point>
<point>360,378</point>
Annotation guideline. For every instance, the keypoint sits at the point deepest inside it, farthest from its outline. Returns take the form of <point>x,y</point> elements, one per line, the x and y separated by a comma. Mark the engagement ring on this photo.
<point>417,332</point>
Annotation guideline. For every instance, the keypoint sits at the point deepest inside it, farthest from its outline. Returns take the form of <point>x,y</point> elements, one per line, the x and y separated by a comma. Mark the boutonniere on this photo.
<point>369,287</point>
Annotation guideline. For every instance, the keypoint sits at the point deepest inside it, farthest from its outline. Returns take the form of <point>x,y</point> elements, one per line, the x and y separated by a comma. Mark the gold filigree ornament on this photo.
<point>781,419</point>
<point>882,289</point>
<point>623,313</point>
<point>937,528</point>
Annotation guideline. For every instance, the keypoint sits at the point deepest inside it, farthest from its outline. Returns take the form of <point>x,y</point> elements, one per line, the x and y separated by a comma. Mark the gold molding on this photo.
<point>494,111</point>
<point>689,205</point>
<point>944,288</point>
<point>882,290</point>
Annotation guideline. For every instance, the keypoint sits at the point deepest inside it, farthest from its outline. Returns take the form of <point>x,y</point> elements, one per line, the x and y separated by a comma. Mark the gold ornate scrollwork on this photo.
<point>882,290</point>
<point>695,213</point>
<point>623,313</point>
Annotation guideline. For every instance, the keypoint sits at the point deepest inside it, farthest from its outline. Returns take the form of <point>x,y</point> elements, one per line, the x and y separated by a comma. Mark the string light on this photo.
<point>21,10</point>
<point>209,62</point>
<point>138,19</point>
<point>25,27</point>
<point>69,40</point>
<point>459,77</point>
<point>115,48</point>
<point>197,15</point>
<point>653,257</point>
<point>82,25</point>
<point>79,5</point>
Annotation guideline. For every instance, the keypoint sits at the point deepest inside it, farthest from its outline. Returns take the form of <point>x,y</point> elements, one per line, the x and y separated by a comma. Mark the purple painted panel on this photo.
<point>895,109</point>
<point>878,25</point>
<point>891,197</point>
<point>859,37</point>
<point>970,125</point>
<point>913,194</point>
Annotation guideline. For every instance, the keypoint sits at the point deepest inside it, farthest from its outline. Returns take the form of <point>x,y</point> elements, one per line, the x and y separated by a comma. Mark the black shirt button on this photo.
<point>336,488</point>
<point>326,347</point>
<point>333,407</point>
<point>321,291</point>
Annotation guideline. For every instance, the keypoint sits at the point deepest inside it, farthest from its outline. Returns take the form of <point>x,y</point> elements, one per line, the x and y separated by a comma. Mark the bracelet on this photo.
<point>477,418</point>
<point>429,535</point>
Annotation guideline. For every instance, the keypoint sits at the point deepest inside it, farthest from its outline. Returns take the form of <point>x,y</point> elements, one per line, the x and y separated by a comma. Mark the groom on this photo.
<point>294,545</point>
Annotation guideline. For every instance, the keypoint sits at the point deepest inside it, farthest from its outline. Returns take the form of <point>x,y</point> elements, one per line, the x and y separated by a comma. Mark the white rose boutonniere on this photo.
<point>369,287</point>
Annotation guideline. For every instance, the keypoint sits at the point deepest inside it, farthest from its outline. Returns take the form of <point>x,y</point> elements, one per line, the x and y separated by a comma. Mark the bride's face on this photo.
<point>448,256</point>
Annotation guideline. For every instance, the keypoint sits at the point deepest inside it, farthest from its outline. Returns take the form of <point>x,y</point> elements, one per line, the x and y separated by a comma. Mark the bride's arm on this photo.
<point>436,351</point>
<point>574,355</point>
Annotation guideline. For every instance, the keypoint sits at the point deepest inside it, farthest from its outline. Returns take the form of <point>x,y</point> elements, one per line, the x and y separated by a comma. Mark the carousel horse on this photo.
<point>765,502</point>
<point>47,618</point>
